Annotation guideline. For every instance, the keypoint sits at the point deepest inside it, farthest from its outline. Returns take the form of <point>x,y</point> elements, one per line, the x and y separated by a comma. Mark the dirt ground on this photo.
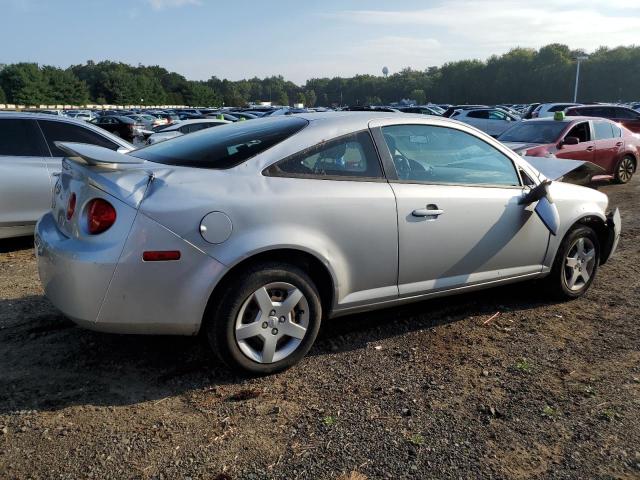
<point>544,390</point>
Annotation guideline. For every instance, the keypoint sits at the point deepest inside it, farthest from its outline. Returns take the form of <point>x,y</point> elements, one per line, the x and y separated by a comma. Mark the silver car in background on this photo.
<point>30,160</point>
<point>254,232</point>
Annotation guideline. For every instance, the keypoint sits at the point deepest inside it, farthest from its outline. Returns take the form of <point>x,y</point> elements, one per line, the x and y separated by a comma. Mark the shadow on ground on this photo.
<point>49,363</point>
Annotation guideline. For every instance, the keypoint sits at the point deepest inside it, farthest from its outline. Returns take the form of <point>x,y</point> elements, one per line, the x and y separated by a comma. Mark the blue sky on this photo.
<point>301,39</point>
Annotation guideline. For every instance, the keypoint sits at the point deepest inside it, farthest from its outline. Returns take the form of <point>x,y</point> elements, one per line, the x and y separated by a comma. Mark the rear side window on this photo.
<point>617,131</point>
<point>21,138</point>
<point>350,156</point>
<point>624,114</point>
<point>225,146</point>
<point>478,114</point>
<point>602,130</point>
<point>68,132</point>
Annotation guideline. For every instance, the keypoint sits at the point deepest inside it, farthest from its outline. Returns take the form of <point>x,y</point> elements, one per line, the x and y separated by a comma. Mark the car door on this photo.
<point>497,122</point>
<point>56,130</point>
<point>608,147</point>
<point>477,118</point>
<point>25,188</point>
<point>337,189</point>
<point>459,220</point>
<point>584,150</point>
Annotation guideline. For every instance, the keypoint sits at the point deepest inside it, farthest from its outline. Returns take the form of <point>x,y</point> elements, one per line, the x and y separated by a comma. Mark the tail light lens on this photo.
<point>71,206</point>
<point>101,215</point>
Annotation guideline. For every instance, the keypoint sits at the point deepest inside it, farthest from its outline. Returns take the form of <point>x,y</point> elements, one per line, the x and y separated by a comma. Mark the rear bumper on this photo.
<point>74,277</point>
<point>127,295</point>
<point>614,227</point>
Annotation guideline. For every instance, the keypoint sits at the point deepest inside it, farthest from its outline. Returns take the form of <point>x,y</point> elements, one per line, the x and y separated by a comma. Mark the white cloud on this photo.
<point>495,25</point>
<point>163,4</point>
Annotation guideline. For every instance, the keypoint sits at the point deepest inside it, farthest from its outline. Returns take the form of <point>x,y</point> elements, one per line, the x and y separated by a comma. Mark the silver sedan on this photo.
<point>254,232</point>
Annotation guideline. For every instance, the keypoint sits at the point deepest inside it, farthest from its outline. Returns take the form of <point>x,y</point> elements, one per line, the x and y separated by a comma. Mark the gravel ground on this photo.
<point>544,390</point>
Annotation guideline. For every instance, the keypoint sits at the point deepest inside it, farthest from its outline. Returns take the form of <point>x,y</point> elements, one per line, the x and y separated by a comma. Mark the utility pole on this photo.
<point>579,59</point>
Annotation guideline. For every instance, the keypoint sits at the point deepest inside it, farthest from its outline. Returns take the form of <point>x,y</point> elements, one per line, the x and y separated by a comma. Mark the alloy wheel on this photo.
<point>626,169</point>
<point>272,322</point>
<point>579,264</point>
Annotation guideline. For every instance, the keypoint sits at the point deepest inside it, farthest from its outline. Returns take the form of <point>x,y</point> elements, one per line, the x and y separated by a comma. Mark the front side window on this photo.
<point>351,156</point>
<point>68,132</point>
<point>581,131</point>
<point>21,138</point>
<point>430,154</point>
<point>225,146</point>
<point>602,130</point>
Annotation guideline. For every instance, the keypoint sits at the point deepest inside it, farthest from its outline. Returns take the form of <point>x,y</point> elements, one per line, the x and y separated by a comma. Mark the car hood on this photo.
<point>570,171</point>
<point>518,146</point>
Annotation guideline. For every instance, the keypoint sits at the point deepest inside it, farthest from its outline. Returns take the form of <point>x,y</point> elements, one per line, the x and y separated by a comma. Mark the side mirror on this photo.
<point>570,141</point>
<point>545,209</point>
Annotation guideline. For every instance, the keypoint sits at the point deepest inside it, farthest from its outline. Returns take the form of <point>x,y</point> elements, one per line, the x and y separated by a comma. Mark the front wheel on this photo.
<point>266,320</point>
<point>575,265</point>
<point>625,169</point>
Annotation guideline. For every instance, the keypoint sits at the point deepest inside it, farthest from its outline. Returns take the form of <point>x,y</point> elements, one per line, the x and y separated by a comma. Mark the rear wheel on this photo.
<point>625,169</point>
<point>575,265</point>
<point>266,319</point>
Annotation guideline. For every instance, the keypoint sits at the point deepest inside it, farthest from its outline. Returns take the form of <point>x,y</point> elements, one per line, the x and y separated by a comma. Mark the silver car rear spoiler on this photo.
<point>94,155</point>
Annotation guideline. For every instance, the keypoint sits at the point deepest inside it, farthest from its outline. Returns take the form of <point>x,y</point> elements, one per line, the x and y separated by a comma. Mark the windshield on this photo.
<point>225,146</point>
<point>533,132</point>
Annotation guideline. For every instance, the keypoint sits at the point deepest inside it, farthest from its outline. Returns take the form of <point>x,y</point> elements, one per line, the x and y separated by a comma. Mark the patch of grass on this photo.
<point>550,412</point>
<point>329,421</point>
<point>608,414</point>
<point>523,365</point>
<point>416,439</point>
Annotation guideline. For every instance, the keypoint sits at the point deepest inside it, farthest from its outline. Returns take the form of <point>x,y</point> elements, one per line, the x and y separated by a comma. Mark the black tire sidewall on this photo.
<point>556,282</point>
<point>220,326</point>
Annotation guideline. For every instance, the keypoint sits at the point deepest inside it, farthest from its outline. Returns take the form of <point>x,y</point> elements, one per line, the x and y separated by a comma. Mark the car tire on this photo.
<point>238,313</point>
<point>625,168</point>
<point>575,266</point>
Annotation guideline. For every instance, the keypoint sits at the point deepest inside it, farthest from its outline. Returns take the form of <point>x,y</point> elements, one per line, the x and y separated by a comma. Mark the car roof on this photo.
<point>569,119</point>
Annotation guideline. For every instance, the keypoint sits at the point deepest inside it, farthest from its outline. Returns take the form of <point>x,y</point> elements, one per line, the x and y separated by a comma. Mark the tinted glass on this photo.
<point>624,114</point>
<point>602,130</point>
<point>533,132</point>
<point>349,156</point>
<point>497,115</point>
<point>478,114</point>
<point>225,146</point>
<point>581,131</point>
<point>68,132</point>
<point>617,131</point>
<point>430,154</point>
<point>21,138</point>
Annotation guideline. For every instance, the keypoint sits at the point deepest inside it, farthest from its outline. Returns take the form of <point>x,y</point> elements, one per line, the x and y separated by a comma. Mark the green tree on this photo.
<point>3,97</point>
<point>24,83</point>
<point>418,95</point>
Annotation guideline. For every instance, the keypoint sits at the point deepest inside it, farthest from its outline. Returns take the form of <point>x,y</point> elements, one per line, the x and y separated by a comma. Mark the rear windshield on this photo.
<point>225,146</point>
<point>534,132</point>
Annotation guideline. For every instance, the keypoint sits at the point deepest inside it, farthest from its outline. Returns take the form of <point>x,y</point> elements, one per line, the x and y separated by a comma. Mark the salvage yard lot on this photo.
<point>438,389</point>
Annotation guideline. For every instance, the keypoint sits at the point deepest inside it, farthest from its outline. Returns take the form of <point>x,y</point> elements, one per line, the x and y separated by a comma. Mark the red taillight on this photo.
<point>101,215</point>
<point>160,255</point>
<point>71,206</point>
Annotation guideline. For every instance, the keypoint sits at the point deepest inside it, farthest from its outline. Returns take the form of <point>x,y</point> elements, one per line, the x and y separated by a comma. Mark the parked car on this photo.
<point>245,115</point>
<point>453,108</point>
<point>424,110</point>
<point>493,121</point>
<point>29,161</point>
<point>528,111</point>
<point>85,115</point>
<point>549,109</point>
<point>595,140</point>
<point>182,128</point>
<point>623,115</point>
<point>120,126</point>
<point>230,117</point>
<point>256,231</point>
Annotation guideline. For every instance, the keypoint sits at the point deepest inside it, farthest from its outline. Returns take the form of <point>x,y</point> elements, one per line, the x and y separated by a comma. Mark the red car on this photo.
<point>597,140</point>
<point>623,115</point>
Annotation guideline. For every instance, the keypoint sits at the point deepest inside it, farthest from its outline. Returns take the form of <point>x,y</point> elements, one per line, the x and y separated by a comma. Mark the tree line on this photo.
<point>521,75</point>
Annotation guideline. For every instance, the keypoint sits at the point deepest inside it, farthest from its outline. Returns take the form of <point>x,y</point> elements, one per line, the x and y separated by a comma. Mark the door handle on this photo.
<point>589,149</point>
<point>619,144</point>
<point>55,174</point>
<point>427,212</point>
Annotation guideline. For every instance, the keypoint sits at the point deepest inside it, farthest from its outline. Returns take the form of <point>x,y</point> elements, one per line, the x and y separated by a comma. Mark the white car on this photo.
<point>182,128</point>
<point>549,109</point>
<point>493,121</point>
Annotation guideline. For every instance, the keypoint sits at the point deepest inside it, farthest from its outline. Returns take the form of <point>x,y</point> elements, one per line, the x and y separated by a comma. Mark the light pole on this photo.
<point>579,59</point>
